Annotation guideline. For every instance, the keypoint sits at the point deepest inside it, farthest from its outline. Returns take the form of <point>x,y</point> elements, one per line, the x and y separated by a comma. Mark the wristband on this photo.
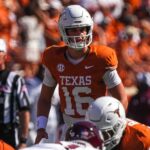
<point>41,122</point>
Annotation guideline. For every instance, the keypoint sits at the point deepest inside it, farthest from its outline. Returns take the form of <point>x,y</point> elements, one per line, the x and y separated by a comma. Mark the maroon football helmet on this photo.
<point>86,131</point>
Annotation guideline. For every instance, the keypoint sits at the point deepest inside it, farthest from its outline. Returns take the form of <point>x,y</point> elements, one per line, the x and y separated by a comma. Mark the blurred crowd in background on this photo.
<point>29,26</point>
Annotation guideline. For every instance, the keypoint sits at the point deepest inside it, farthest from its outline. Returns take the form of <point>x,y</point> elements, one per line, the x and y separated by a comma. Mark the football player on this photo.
<point>82,135</point>
<point>82,70</point>
<point>119,132</point>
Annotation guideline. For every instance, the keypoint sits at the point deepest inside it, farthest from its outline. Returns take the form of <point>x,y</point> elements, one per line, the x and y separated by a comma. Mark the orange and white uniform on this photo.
<point>135,137</point>
<point>81,83</point>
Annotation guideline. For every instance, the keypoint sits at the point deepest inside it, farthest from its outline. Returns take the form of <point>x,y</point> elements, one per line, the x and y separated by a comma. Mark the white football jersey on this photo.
<point>63,145</point>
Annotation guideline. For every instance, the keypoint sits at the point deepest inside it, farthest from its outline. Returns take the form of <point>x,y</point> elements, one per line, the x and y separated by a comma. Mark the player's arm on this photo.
<point>24,117</point>
<point>44,105</point>
<point>22,97</point>
<point>115,86</point>
<point>119,92</point>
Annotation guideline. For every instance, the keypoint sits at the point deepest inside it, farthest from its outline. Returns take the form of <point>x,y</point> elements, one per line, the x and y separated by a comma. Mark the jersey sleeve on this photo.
<point>110,59</point>
<point>50,58</point>
<point>111,78</point>
<point>45,59</point>
<point>107,56</point>
<point>48,78</point>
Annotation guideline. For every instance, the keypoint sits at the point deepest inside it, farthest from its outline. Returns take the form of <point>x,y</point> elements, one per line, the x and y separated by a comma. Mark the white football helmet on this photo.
<point>109,116</point>
<point>75,16</point>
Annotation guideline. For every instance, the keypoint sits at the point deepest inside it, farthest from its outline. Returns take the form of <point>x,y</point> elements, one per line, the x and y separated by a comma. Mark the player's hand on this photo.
<point>41,133</point>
